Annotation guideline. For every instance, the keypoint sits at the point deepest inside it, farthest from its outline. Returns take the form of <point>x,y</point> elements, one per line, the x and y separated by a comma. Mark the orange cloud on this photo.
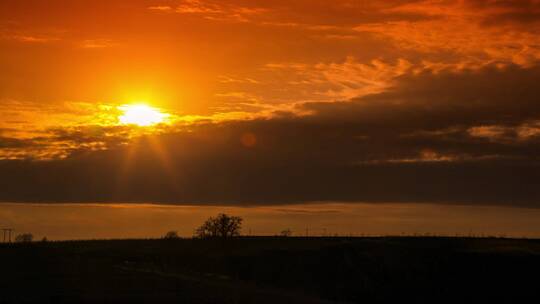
<point>465,30</point>
<point>160,8</point>
<point>214,10</point>
<point>98,43</point>
<point>33,39</point>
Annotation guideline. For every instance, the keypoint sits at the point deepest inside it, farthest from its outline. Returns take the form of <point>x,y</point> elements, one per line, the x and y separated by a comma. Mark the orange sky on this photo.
<point>207,57</point>
<point>270,102</point>
<point>66,63</point>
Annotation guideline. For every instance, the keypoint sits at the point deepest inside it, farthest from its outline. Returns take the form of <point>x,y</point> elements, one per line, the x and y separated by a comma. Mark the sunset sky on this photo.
<point>148,113</point>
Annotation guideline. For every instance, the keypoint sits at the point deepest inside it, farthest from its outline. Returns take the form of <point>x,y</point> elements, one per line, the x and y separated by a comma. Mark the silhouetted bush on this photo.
<point>285,233</point>
<point>171,235</point>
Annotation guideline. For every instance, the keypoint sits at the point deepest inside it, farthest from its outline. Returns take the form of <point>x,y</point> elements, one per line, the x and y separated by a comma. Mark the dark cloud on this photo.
<point>524,17</point>
<point>109,136</point>
<point>500,13</point>
<point>9,142</point>
<point>450,98</point>
<point>468,136</point>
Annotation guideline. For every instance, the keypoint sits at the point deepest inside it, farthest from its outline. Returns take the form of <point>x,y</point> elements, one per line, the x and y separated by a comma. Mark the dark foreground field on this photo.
<point>272,270</point>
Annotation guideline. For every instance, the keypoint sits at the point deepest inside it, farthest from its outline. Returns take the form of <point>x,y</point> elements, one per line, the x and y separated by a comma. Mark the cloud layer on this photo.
<point>274,102</point>
<point>467,136</point>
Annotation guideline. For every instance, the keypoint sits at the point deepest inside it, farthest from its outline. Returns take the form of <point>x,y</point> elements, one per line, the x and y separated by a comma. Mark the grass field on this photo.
<point>272,270</point>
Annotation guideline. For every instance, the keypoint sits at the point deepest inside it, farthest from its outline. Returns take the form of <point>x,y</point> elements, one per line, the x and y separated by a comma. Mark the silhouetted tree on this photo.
<point>24,238</point>
<point>171,235</point>
<point>223,226</point>
<point>44,239</point>
<point>285,233</point>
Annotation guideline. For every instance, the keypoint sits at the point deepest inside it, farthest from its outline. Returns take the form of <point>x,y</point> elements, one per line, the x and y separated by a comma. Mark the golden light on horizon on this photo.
<point>141,115</point>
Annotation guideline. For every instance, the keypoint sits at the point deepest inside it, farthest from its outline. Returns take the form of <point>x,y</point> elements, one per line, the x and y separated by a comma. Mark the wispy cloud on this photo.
<point>98,43</point>
<point>28,37</point>
<point>214,10</point>
<point>34,39</point>
<point>465,29</point>
<point>163,8</point>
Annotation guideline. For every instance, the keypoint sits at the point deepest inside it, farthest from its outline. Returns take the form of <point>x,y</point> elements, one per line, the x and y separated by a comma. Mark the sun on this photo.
<point>141,115</point>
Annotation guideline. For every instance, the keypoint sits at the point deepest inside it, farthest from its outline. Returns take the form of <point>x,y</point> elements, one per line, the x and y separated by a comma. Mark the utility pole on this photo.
<point>8,230</point>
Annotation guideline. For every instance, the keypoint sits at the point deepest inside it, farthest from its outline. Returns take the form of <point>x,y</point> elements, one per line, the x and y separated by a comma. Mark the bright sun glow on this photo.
<point>141,115</point>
